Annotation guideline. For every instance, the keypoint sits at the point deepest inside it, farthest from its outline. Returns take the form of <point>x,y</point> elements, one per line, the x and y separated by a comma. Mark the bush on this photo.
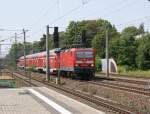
<point>143,53</point>
<point>98,64</point>
<point>125,69</point>
<point>121,69</point>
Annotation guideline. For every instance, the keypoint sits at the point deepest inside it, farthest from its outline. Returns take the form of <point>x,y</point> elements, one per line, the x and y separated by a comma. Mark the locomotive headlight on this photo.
<point>76,65</point>
<point>92,65</point>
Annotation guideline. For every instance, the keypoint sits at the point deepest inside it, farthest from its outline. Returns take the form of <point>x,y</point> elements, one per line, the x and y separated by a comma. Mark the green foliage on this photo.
<point>141,29</point>
<point>143,53</point>
<point>138,73</point>
<point>121,69</point>
<point>98,41</point>
<point>99,44</point>
<point>62,39</point>
<point>15,52</point>
<point>92,27</point>
<point>41,45</point>
<point>98,63</point>
<point>131,31</point>
<point>73,33</point>
<point>123,49</point>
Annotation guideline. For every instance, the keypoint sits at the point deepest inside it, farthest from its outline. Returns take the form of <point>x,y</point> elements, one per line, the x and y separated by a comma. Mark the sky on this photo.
<point>34,15</point>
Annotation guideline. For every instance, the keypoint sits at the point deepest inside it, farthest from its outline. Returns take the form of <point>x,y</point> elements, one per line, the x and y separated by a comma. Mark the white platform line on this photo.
<point>51,103</point>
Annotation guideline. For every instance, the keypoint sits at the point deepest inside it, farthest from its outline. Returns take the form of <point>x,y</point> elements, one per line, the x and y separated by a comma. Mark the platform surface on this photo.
<point>40,100</point>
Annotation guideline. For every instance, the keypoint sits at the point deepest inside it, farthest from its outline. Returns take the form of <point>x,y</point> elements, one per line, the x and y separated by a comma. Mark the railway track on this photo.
<point>118,77</point>
<point>127,88</point>
<point>123,87</point>
<point>123,75</point>
<point>113,106</point>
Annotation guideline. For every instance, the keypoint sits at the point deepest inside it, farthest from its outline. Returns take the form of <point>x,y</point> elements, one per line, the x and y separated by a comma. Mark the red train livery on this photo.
<point>74,62</point>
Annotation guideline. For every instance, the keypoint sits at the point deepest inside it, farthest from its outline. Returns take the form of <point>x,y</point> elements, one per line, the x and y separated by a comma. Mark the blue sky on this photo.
<point>34,15</point>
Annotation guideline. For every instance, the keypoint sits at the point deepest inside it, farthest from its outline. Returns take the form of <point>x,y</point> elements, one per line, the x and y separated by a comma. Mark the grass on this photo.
<point>134,73</point>
<point>137,73</point>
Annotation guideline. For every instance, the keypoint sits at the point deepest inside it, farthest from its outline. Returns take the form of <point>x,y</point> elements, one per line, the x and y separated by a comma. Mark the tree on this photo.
<point>99,44</point>
<point>73,33</point>
<point>143,53</point>
<point>131,31</point>
<point>36,47</point>
<point>99,40</point>
<point>92,28</point>
<point>123,49</point>
<point>42,43</point>
<point>141,28</point>
<point>62,39</point>
<point>13,56</point>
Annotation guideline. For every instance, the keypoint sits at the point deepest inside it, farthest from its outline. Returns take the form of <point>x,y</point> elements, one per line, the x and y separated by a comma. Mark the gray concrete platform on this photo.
<point>40,100</point>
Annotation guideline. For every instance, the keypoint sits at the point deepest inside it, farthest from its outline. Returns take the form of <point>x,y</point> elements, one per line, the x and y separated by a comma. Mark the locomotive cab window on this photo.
<point>80,54</point>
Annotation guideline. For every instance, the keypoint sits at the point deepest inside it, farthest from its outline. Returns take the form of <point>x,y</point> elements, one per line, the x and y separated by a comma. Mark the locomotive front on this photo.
<point>85,62</point>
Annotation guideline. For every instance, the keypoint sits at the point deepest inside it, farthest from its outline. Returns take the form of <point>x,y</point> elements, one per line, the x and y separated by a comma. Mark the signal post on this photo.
<point>56,45</point>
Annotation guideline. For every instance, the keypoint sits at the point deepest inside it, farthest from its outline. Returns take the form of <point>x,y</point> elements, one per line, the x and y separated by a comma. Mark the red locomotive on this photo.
<point>74,62</point>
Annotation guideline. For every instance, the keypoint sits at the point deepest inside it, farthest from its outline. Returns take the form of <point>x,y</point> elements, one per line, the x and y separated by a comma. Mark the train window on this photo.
<point>80,54</point>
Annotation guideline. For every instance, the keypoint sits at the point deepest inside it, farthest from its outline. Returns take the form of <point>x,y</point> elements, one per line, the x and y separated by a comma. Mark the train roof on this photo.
<point>75,49</point>
<point>52,52</point>
<point>40,54</point>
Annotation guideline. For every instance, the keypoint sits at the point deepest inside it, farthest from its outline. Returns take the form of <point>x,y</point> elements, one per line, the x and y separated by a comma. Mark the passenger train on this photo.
<point>74,62</point>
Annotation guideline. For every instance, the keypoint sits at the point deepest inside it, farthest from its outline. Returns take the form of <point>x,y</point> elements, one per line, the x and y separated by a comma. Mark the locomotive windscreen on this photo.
<point>87,54</point>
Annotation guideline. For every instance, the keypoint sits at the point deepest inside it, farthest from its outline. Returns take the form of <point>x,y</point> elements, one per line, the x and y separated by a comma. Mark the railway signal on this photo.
<point>56,37</point>
<point>57,51</point>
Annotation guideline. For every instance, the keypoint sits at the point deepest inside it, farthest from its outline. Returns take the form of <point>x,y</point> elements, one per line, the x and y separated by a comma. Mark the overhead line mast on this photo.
<point>47,54</point>
<point>24,37</point>
<point>15,51</point>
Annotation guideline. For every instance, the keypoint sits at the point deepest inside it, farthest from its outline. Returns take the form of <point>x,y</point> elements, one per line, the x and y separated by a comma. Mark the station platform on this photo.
<point>40,100</point>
